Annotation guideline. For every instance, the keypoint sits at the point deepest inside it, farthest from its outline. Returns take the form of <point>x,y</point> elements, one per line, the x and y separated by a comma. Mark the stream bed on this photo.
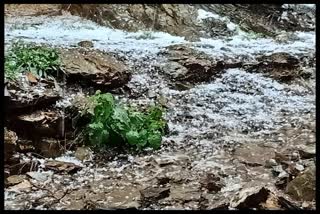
<point>227,126</point>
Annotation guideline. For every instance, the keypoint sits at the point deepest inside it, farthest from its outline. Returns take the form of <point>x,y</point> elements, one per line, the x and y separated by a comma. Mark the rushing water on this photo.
<point>201,119</point>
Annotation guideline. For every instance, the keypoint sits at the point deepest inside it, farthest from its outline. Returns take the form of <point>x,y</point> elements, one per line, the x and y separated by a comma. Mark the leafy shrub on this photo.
<point>24,57</point>
<point>113,124</point>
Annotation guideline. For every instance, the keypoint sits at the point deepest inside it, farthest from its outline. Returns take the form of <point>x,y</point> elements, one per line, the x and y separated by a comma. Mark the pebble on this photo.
<point>299,167</point>
<point>270,163</point>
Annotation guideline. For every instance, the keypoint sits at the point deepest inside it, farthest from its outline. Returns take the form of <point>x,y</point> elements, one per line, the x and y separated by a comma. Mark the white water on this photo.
<point>69,30</point>
<point>225,107</point>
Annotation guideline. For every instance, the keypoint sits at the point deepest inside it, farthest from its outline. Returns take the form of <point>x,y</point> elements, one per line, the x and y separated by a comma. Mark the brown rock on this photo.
<point>38,124</point>
<point>250,197</point>
<point>307,152</point>
<point>281,66</point>
<point>176,19</point>
<point>186,65</point>
<point>31,78</point>
<point>184,193</point>
<point>10,139</point>
<point>62,167</point>
<point>15,179</point>
<point>94,67</point>
<point>83,153</point>
<point>50,148</point>
<point>212,183</point>
<point>22,186</point>
<point>86,44</point>
<point>303,187</point>
<point>153,194</point>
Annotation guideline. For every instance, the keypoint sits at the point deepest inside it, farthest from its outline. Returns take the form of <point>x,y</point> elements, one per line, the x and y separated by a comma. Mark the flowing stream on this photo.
<point>207,122</point>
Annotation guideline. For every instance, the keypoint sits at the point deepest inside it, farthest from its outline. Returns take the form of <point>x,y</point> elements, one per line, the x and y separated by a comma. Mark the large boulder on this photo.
<point>187,65</point>
<point>303,187</point>
<point>280,66</point>
<point>93,67</point>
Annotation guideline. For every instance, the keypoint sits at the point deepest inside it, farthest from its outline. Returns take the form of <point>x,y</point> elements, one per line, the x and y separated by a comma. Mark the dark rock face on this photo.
<point>266,18</point>
<point>280,66</point>
<point>176,19</point>
<point>181,19</point>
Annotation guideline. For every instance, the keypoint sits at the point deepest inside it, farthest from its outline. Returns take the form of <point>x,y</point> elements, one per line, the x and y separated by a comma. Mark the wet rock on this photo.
<point>94,68</point>
<point>249,198</point>
<point>163,161</point>
<point>285,156</point>
<point>178,175</point>
<point>185,193</point>
<point>277,170</point>
<point>38,124</point>
<point>75,205</point>
<point>153,194</point>
<point>40,176</point>
<point>162,180</point>
<point>307,152</point>
<point>303,186</point>
<point>15,179</point>
<point>123,198</point>
<point>18,166</point>
<point>271,203</point>
<point>281,66</point>
<point>186,65</point>
<point>23,186</point>
<point>270,163</point>
<point>10,145</point>
<point>50,147</point>
<point>62,167</point>
<point>83,153</point>
<point>217,28</point>
<point>253,154</point>
<point>26,97</point>
<point>86,44</point>
<point>178,159</point>
<point>212,183</point>
<point>176,19</point>
<point>271,18</point>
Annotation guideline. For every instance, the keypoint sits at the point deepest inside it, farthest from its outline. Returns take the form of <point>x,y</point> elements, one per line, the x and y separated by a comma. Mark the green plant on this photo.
<point>23,57</point>
<point>113,124</point>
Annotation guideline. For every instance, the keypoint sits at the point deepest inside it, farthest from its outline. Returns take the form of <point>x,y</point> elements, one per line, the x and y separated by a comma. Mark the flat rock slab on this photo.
<point>29,96</point>
<point>15,179</point>
<point>253,154</point>
<point>40,176</point>
<point>185,193</point>
<point>62,167</point>
<point>94,67</point>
